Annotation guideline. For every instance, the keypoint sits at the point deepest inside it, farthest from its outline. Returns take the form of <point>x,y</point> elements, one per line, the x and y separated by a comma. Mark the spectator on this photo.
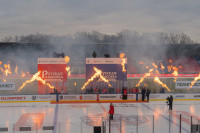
<point>111,111</point>
<point>94,55</point>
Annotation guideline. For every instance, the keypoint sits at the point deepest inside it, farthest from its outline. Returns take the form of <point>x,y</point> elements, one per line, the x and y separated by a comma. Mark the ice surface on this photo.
<point>81,118</point>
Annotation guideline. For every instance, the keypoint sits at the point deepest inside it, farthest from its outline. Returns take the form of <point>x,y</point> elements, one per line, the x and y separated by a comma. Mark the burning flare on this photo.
<point>36,77</point>
<point>157,80</point>
<point>97,74</point>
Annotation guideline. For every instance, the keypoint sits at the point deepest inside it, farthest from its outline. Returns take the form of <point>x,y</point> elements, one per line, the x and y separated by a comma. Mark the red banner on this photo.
<point>52,71</point>
<point>140,75</point>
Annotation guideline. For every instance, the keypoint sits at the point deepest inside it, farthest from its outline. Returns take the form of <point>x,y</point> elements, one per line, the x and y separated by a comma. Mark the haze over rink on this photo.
<point>82,117</point>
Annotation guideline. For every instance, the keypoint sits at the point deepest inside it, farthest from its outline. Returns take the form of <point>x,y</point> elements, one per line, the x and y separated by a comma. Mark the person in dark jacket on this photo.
<point>148,94</point>
<point>94,55</point>
<point>170,102</point>
<point>143,94</point>
<point>111,111</point>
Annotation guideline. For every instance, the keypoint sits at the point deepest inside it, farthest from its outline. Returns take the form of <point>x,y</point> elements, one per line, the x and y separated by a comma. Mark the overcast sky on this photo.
<point>63,17</point>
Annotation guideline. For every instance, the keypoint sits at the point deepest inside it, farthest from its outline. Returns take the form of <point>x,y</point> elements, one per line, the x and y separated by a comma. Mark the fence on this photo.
<point>172,123</point>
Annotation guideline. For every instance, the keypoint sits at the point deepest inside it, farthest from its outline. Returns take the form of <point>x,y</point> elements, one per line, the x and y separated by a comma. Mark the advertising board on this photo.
<point>52,71</point>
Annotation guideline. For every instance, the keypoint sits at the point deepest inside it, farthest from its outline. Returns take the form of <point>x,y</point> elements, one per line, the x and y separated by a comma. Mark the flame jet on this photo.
<point>157,80</point>
<point>123,62</point>
<point>67,59</point>
<point>193,82</point>
<point>142,79</point>
<point>36,77</point>
<point>97,74</point>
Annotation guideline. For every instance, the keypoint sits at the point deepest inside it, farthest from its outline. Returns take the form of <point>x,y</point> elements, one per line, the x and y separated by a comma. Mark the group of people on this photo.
<point>169,102</point>
<point>145,93</point>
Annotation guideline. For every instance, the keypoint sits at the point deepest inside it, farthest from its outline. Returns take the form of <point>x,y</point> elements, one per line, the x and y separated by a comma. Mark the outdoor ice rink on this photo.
<point>81,118</point>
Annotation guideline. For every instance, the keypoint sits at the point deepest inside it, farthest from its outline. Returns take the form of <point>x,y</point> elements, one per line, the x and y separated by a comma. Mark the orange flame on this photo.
<point>16,68</point>
<point>162,67</point>
<point>123,65</point>
<point>36,77</point>
<point>193,82</point>
<point>75,84</point>
<point>122,55</point>
<point>155,67</point>
<point>170,61</point>
<point>157,80</point>
<point>98,73</point>
<point>141,62</point>
<point>67,59</point>
<point>175,72</point>
<point>68,70</point>
<point>23,74</point>
<point>169,68</point>
<point>7,69</point>
<point>123,62</point>
<point>142,79</point>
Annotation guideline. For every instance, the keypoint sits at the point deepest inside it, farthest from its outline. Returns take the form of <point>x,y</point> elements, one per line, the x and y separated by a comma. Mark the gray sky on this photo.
<point>63,17</point>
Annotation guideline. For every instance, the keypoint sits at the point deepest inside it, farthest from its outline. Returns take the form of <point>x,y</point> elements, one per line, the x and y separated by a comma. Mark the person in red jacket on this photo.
<point>111,111</point>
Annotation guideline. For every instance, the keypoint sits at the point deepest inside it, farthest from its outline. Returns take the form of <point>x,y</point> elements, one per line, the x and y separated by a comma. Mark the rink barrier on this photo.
<point>48,128</point>
<point>3,129</point>
<point>27,98</point>
<point>95,98</point>
<point>24,128</point>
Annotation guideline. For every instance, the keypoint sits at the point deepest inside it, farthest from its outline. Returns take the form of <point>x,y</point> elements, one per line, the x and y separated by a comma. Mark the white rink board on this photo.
<point>28,98</point>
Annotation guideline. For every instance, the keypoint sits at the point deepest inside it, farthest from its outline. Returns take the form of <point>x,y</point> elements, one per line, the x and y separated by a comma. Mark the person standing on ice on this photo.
<point>111,111</point>
<point>170,102</point>
<point>148,94</point>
